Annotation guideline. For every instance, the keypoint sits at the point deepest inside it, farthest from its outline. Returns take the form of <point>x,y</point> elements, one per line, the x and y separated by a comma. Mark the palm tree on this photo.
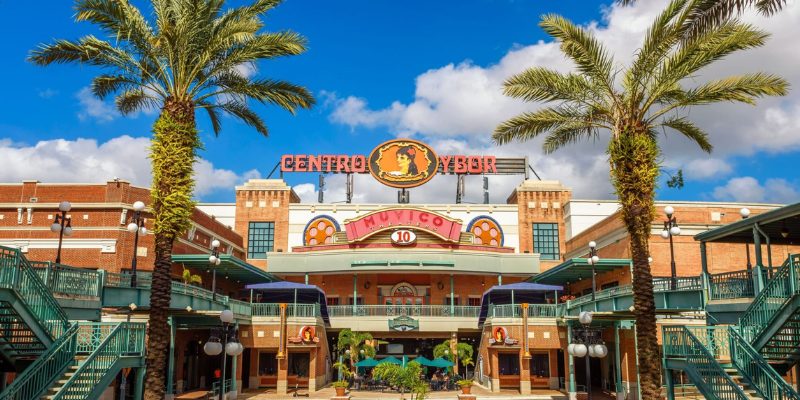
<point>187,57</point>
<point>353,344</point>
<point>651,95</point>
<point>709,13</point>
<point>464,351</point>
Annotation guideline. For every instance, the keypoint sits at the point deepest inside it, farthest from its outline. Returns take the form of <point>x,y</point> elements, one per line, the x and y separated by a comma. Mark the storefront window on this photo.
<point>508,364</point>
<point>332,301</point>
<point>540,365</point>
<point>298,364</point>
<point>267,364</point>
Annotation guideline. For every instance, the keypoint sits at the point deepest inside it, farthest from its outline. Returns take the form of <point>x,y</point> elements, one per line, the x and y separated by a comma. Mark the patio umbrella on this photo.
<point>367,362</point>
<point>441,363</point>
<point>423,361</point>
<point>391,359</point>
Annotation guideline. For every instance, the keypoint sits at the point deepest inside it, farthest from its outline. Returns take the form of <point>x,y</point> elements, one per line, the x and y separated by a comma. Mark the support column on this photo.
<point>452,296</point>
<point>283,375</point>
<point>495,363</point>
<point>234,378</point>
<point>355,294</point>
<point>571,390</point>
<point>312,370</point>
<point>552,360</point>
<point>138,387</point>
<point>306,279</point>
<point>706,276</point>
<point>524,372</point>
<point>618,369</point>
<point>759,263</point>
<point>499,279</point>
<point>171,363</point>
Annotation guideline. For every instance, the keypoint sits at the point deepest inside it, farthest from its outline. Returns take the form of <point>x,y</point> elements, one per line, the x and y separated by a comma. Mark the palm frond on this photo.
<point>589,55</point>
<point>709,14</point>
<point>568,133</point>
<point>544,84</point>
<point>211,110</point>
<point>529,125</point>
<point>135,99</point>
<point>245,114</point>
<point>690,130</point>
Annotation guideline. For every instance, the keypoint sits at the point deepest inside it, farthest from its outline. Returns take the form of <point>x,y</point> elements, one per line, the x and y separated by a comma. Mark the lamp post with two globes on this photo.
<point>62,225</point>
<point>136,226</point>
<point>587,347</point>
<point>593,259</point>
<point>225,339</point>
<point>213,261</point>
<point>671,229</point>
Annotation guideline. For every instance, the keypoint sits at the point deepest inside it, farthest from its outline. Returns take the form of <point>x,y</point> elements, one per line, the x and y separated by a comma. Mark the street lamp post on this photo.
<point>587,347</point>
<point>227,335</point>
<point>745,212</point>
<point>62,225</point>
<point>214,260</point>
<point>136,226</point>
<point>671,229</point>
<point>124,384</point>
<point>593,259</point>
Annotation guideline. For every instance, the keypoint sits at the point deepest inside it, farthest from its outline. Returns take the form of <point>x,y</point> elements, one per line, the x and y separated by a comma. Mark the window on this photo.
<point>474,301</point>
<point>545,241</point>
<point>260,239</point>
<point>298,364</point>
<point>540,365</point>
<point>267,364</point>
<point>609,285</point>
<point>332,301</point>
<point>360,301</point>
<point>447,301</point>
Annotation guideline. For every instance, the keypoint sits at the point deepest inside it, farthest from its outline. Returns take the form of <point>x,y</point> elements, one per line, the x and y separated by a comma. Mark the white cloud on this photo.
<point>47,93</point>
<point>463,102</point>
<point>707,168</point>
<point>94,108</point>
<point>749,189</point>
<point>86,160</point>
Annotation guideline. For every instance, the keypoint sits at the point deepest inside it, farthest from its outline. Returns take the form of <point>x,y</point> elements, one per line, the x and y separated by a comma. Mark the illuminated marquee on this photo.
<point>365,226</point>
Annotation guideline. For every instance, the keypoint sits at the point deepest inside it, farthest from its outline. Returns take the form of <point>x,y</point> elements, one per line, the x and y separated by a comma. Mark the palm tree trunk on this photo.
<point>634,170</point>
<point>172,155</point>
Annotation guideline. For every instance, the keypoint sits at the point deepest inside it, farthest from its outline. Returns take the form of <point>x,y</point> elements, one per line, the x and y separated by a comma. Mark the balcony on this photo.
<point>384,318</point>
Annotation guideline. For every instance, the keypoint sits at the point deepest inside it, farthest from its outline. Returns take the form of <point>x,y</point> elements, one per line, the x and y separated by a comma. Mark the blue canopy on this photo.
<point>422,360</point>
<point>391,359</point>
<point>292,292</point>
<point>514,293</point>
<point>440,362</point>
<point>367,362</point>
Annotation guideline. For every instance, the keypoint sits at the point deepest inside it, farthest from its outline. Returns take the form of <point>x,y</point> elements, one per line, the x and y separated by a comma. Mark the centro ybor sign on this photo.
<point>400,163</point>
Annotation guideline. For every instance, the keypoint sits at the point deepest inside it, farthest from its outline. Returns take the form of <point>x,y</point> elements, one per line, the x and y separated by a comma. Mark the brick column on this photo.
<point>524,372</point>
<point>553,362</point>
<point>495,372</point>
<point>312,370</point>
<point>283,374</point>
<point>254,380</point>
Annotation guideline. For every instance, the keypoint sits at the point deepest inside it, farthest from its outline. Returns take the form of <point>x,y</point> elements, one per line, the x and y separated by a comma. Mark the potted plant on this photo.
<point>466,386</point>
<point>341,385</point>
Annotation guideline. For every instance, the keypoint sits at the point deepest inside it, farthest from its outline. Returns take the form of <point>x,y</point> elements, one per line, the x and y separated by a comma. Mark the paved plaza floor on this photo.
<point>328,392</point>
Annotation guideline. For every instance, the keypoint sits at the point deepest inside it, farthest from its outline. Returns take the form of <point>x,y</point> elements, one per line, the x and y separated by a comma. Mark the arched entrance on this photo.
<point>404,293</point>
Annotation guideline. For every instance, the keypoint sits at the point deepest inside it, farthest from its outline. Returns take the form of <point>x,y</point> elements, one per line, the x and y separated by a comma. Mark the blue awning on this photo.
<point>292,292</point>
<point>521,292</point>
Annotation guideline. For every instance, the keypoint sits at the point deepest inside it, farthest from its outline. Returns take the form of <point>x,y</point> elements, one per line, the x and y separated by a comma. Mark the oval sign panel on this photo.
<point>403,163</point>
<point>404,237</point>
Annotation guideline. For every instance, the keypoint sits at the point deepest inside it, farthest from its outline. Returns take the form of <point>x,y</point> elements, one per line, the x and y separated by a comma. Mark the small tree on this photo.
<point>344,374</point>
<point>190,278</point>
<point>463,352</point>
<point>406,378</point>
<point>355,342</point>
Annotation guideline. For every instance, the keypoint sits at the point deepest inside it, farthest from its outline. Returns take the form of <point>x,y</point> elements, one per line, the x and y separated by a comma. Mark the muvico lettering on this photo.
<point>367,225</point>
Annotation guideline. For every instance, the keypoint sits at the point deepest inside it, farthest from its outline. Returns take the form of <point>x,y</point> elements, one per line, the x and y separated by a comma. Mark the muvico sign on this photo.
<point>400,163</point>
<point>360,228</point>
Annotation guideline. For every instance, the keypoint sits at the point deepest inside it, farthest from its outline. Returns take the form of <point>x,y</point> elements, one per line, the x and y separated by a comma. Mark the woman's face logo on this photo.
<point>307,334</point>
<point>403,163</point>
<point>498,335</point>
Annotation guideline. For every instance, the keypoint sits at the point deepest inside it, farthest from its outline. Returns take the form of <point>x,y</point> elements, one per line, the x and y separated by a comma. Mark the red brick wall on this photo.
<point>534,193</point>
<point>264,201</point>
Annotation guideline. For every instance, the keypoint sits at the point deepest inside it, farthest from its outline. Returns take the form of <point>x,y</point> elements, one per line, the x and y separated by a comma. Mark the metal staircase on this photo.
<point>56,358</point>
<point>754,354</point>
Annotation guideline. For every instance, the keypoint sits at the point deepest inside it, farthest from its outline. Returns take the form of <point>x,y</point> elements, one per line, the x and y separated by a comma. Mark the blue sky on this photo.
<point>382,69</point>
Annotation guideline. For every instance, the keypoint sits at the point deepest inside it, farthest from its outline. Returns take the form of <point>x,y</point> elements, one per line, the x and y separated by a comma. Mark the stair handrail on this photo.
<point>779,289</point>
<point>40,375</point>
<point>117,344</point>
<point>758,371</point>
<point>35,294</point>
<point>713,377</point>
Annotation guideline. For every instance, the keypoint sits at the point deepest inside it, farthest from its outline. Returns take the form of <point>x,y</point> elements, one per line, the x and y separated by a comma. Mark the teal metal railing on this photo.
<point>125,340</point>
<point>731,285</point>
<point>545,310</point>
<point>240,307</point>
<point>17,274</point>
<point>778,291</point>
<point>292,310</point>
<point>71,281</point>
<point>714,338</point>
<point>706,373</point>
<point>37,378</point>
<point>215,387</point>
<point>390,310</point>
<point>764,378</point>
<point>91,334</point>
<point>144,280</point>
<point>680,283</point>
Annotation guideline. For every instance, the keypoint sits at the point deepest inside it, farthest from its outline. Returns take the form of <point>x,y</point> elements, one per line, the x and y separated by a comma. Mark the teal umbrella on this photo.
<point>367,362</point>
<point>441,363</point>
<point>391,359</point>
<point>423,361</point>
